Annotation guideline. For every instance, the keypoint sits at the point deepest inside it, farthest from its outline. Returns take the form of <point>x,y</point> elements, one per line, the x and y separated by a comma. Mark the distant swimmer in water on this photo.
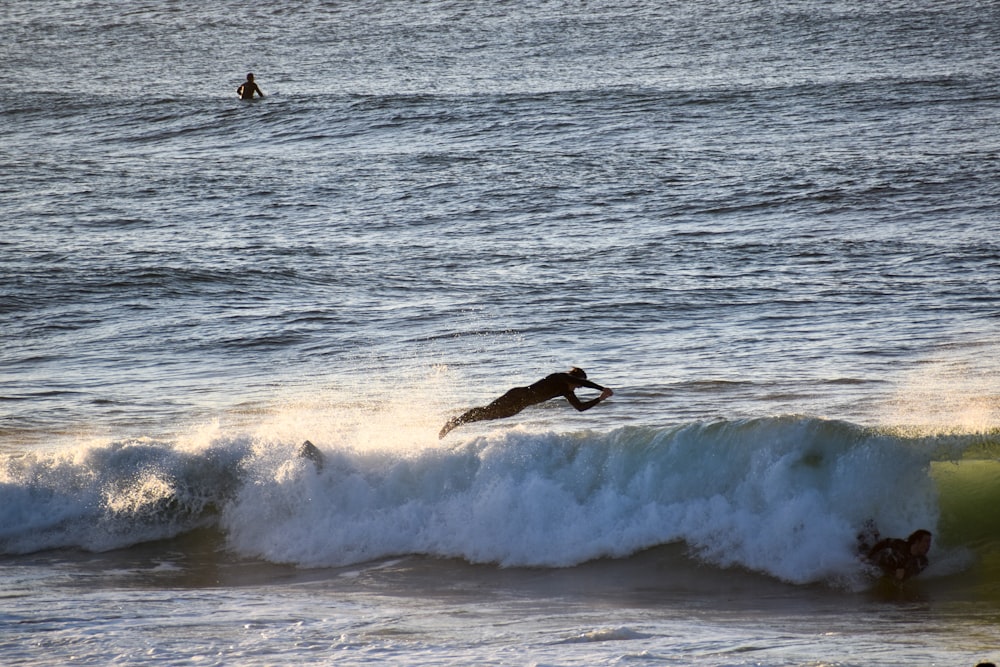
<point>518,398</point>
<point>248,88</point>
<point>897,558</point>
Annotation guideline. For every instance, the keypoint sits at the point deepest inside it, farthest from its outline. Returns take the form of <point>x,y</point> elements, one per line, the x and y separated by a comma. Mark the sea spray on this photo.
<point>107,496</point>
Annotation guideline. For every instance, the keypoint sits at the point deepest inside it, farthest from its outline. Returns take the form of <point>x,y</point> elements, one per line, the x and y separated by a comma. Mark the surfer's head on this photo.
<point>250,76</point>
<point>919,541</point>
<point>577,373</point>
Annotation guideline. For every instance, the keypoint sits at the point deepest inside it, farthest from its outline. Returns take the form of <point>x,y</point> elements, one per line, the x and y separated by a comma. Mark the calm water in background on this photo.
<point>771,228</point>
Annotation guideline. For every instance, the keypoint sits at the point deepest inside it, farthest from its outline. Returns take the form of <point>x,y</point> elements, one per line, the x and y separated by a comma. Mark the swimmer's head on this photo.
<point>919,541</point>
<point>250,77</point>
<point>577,373</point>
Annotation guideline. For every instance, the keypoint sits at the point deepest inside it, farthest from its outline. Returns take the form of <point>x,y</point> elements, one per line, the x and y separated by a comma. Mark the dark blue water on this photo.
<point>722,211</point>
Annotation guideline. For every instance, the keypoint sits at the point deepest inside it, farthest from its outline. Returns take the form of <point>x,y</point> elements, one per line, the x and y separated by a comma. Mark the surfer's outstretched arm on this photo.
<point>587,383</point>
<point>586,405</point>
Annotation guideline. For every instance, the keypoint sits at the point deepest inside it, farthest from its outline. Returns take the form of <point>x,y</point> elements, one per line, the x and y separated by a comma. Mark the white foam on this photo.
<point>782,496</point>
<point>785,496</point>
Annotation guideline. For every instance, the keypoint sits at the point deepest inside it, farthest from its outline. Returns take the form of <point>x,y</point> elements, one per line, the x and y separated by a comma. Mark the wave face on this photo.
<point>783,496</point>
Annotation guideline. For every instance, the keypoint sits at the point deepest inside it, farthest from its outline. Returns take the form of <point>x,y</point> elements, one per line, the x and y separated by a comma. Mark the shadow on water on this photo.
<point>664,575</point>
<point>197,559</point>
<point>661,577</point>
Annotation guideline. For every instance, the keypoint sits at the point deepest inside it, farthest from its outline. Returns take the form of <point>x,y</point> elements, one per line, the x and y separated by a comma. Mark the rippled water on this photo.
<point>722,211</point>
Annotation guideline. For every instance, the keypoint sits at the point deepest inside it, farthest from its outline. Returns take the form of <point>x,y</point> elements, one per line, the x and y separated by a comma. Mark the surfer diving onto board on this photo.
<point>518,398</point>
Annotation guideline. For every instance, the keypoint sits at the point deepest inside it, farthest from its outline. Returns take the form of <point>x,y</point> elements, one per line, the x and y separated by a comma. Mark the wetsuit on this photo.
<point>893,554</point>
<point>518,398</point>
<point>247,89</point>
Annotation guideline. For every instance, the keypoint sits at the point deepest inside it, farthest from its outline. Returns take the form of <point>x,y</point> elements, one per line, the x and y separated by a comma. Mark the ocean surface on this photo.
<point>770,227</point>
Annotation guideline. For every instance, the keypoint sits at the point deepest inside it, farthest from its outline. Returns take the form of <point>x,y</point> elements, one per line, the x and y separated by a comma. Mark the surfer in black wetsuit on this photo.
<point>248,88</point>
<point>898,559</point>
<point>518,398</point>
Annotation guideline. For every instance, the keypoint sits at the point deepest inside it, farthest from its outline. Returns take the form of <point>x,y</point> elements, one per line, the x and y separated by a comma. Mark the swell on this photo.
<point>782,496</point>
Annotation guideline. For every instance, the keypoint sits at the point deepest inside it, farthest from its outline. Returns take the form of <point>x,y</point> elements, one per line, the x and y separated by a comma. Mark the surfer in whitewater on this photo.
<point>518,398</point>
<point>897,558</point>
<point>248,88</point>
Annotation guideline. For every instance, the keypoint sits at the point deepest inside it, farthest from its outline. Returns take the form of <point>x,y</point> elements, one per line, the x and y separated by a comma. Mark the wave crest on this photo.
<point>784,496</point>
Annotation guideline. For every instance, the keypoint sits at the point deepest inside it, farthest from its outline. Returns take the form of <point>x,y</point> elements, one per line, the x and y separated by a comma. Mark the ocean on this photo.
<point>769,227</point>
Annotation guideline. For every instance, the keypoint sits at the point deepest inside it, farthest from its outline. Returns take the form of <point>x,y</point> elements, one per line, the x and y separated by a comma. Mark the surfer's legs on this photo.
<point>508,405</point>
